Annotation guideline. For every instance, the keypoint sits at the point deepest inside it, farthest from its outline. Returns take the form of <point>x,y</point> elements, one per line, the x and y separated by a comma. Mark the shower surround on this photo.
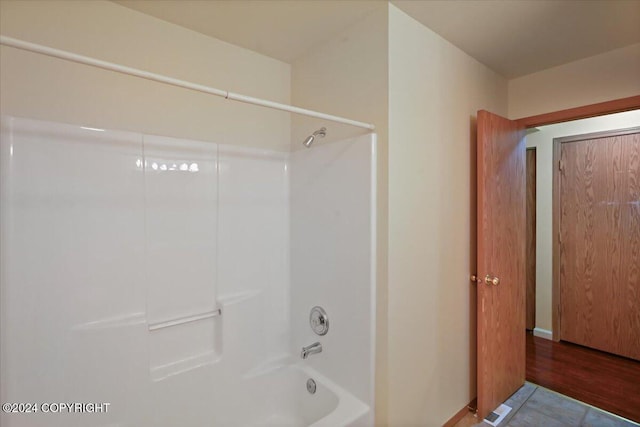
<point>173,279</point>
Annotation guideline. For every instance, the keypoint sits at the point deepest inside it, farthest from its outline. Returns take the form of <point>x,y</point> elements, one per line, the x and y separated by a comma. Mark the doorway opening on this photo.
<point>585,244</point>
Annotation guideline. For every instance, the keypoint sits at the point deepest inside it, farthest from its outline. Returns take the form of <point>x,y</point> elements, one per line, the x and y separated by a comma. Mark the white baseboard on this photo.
<point>543,333</point>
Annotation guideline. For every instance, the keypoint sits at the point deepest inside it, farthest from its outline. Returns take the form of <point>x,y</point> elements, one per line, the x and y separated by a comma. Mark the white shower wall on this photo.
<point>104,233</point>
<point>333,258</point>
<point>254,238</point>
<point>73,295</point>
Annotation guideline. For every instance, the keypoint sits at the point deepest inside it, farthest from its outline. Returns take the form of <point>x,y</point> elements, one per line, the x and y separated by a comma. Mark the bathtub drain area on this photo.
<point>311,386</point>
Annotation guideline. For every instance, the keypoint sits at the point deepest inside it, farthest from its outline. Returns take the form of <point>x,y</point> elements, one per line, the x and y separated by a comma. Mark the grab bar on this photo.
<point>186,319</point>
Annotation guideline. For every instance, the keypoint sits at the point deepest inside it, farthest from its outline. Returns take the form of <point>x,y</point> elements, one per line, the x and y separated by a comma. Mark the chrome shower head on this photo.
<point>307,142</point>
<point>322,132</point>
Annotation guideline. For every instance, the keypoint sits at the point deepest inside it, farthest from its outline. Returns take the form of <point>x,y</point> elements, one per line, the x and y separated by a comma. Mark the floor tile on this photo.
<point>518,399</point>
<point>597,418</point>
<point>528,417</point>
<point>533,406</point>
<point>556,406</point>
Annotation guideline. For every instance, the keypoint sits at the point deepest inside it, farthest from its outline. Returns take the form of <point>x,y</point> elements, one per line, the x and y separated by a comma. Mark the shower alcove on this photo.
<point>171,278</point>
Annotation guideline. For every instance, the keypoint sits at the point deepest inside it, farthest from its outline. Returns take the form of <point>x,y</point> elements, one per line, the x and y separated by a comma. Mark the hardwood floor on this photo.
<point>600,379</point>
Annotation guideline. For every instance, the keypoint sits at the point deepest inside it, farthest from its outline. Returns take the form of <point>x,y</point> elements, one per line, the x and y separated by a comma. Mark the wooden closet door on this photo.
<point>600,243</point>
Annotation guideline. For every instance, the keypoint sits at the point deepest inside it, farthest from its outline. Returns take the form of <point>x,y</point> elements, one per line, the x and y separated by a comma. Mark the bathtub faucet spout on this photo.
<point>314,348</point>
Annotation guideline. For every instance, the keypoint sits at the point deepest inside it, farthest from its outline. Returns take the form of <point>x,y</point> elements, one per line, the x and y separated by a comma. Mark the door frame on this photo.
<point>556,315</point>
<point>583,112</point>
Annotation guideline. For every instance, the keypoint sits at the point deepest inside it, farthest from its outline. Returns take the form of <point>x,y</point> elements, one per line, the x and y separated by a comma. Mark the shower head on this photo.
<point>322,132</point>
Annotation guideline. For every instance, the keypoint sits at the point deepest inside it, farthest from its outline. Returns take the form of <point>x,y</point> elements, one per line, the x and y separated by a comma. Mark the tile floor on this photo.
<point>534,406</point>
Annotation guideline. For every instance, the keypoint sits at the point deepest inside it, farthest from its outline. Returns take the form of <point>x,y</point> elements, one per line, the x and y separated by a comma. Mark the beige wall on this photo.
<point>435,90</point>
<point>611,75</point>
<point>543,142</point>
<point>40,87</point>
<point>347,76</point>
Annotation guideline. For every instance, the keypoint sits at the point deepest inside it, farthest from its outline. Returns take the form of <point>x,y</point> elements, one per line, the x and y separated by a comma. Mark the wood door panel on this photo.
<point>600,243</point>
<point>531,239</point>
<point>632,254</point>
<point>501,253</point>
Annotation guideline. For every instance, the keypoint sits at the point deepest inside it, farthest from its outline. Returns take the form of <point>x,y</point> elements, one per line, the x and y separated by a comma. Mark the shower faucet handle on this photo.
<point>319,321</point>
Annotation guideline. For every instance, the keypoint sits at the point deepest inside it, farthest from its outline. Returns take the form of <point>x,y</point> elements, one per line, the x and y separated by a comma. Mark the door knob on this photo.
<point>491,280</point>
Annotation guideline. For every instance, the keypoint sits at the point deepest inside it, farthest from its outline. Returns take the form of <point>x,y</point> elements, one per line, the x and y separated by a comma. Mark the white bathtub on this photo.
<point>281,399</point>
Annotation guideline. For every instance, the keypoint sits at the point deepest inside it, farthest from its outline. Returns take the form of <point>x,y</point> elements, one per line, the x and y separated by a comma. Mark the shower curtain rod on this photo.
<point>81,59</point>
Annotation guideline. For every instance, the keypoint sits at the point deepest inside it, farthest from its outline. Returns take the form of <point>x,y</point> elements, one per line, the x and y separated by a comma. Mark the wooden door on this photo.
<point>501,254</point>
<point>599,225</point>
<point>531,239</point>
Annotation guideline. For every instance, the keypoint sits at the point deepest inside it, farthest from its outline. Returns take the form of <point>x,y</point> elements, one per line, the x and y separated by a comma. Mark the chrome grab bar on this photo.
<point>185,319</point>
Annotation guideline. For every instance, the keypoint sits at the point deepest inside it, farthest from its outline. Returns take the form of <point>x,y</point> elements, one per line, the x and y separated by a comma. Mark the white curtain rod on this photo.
<point>81,59</point>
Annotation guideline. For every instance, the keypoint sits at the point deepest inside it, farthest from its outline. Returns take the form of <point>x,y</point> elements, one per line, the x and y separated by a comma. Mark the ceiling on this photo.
<point>512,37</point>
<point>515,38</point>
<point>281,29</point>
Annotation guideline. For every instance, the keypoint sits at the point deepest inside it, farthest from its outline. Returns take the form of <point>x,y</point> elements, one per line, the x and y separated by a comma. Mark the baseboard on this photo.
<point>543,333</point>
<point>460,414</point>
